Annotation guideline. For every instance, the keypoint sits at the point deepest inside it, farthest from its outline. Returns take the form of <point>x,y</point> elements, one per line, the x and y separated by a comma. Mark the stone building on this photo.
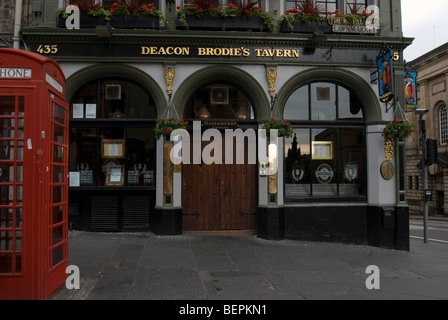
<point>332,181</point>
<point>432,69</point>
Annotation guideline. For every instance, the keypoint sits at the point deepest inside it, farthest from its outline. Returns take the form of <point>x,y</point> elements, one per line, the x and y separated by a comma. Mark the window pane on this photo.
<point>324,162</point>
<point>59,113</point>
<point>6,150</point>
<point>83,145</point>
<point>57,214</point>
<point>298,164</point>
<point>6,172</point>
<point>58,194</point>
<point>6,218</point>
<point>7,127</point>
<point>7,106</point>
<point>443,118</point>
<point>58,154</point>
<point>348,104</point>
<point>5,263</point>
<point>19,216</point>
<point>327,5</point>
<point>323,101</point>
<point>219,101</point>
<point>58,133</point>
<point>297,106</point>
<point>58,255</point>
<point>112,99</point>
<point>58,174</point>
<point>290,4</point>
<point>141,105</point>
<point>140,156</point>
<point>88,95</point>
<point>356,6</point>
<point>57,234</point>
<point>351,174</point>
<point>108,163</point>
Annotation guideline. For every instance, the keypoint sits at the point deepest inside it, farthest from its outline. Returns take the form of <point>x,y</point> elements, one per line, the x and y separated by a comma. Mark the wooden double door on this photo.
<point>220,196</point>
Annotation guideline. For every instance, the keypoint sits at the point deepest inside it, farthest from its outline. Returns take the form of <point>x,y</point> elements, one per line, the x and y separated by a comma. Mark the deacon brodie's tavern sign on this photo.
<point>236,51</point>
<point>220,52</point>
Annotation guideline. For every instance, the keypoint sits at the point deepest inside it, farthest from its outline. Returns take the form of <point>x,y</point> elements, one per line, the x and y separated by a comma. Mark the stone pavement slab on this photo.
<point>200,267</point>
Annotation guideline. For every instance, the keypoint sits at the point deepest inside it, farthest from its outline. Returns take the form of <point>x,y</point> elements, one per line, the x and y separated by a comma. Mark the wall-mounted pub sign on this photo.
<point>410,91</point>
<point>385,76</point>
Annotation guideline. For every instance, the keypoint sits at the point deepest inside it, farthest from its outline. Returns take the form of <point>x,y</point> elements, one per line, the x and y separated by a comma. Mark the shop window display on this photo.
<point>111,135</point>
<point>325,156</point>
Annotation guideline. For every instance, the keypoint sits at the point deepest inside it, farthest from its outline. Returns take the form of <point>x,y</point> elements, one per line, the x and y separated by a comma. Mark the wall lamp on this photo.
<point>421,111</point>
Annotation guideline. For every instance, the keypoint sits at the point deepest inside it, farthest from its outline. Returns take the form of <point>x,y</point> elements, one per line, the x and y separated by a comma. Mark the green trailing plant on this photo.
<point>244,8</point>
<point>305,11</point>
<point>150,10</point>
<point>88,7</point>
<point>283,127</point>
<point>136,8</point>
<point>164,127</point>
<point>249,8</point>
<point>354,17</point>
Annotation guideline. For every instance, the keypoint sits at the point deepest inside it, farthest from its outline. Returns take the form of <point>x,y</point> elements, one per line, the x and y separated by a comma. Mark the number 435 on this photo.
<point>47,48</point>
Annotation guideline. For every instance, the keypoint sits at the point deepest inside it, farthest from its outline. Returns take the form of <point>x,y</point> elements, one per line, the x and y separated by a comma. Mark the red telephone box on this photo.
<point>33,175</point>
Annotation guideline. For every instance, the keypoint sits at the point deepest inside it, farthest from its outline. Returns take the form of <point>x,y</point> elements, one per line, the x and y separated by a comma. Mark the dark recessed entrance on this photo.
<point>220,196</point>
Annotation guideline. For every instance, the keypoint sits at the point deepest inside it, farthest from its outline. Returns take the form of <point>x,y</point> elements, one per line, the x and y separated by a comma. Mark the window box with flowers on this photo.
<point>396,129</point>
<point>283,127</point>
<point>131,14</point>
<point>306,17</point>
<point>91,14</point>
<point>242,15</point>
<point>164,127</point>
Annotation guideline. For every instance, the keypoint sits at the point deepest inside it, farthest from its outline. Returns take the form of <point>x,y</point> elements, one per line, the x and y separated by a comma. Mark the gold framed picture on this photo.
<point>322,150</point>
<point>112,148</point>
<point>115,176</point>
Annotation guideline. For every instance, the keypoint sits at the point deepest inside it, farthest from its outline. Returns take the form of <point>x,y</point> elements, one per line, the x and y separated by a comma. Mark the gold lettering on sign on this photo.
<point>220,52</point>
<point>277,53</point>
<point>47,48</point>
<point>171,51</point>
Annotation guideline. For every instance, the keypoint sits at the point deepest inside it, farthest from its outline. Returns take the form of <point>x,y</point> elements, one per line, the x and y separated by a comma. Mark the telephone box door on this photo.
<point>15,224</point>
<point>57,185</point>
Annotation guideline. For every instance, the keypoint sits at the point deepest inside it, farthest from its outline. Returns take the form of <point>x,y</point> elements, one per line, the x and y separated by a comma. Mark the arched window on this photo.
<point>111,134</point>
<point>219,101</point>
<point>325,157</point>
<point>443,124</point>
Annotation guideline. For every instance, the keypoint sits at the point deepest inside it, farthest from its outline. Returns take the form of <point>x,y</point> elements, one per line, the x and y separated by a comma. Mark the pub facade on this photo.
<point>331,181</point>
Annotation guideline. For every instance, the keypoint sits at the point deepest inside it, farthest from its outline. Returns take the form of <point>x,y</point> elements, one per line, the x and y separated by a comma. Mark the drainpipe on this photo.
<point>17,25</point>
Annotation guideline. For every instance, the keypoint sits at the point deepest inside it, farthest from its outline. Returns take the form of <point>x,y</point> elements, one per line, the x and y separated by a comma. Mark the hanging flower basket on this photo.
<point>283,127</point>
<point>395,129</point>
<point>164,127</point>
